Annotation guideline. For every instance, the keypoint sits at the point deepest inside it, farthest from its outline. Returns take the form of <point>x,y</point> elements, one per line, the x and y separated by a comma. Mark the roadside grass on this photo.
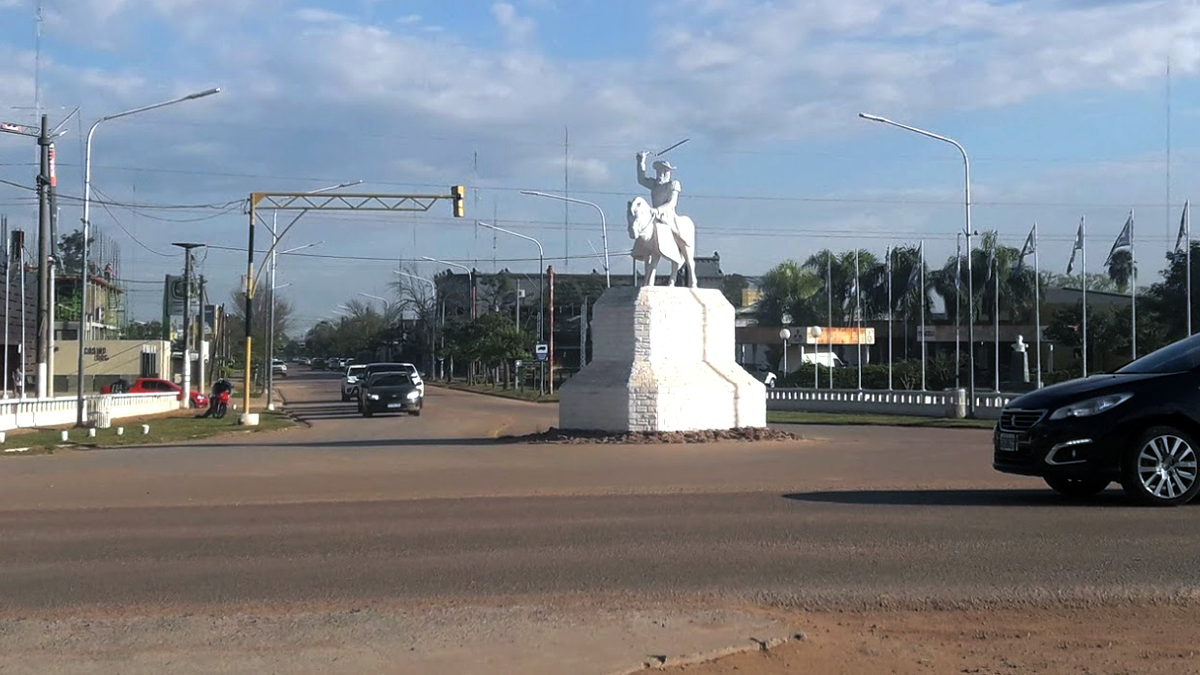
<point>790,417</point>
<point>164,429</point>
<point>531,395</point>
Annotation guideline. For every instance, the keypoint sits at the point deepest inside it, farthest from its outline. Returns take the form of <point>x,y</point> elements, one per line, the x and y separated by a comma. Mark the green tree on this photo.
<point>70,251</point>
<point>732,286</point>
<point>788,289</point>
<point>138,330</point>
<point>1120,269</point>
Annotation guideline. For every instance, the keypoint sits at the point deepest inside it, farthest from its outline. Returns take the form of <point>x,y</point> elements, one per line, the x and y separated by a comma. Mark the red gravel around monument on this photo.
<point>581,436</point>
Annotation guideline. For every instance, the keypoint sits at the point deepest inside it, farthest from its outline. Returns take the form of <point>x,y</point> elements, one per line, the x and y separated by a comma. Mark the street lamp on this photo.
<point>87,202</point>
<point>187,319</point>
<point>785,335</point>
<point>967,231</point>
<point>541,271</point>
<point>433,286</point>
<point>470,274</point>
<point>603,223</point>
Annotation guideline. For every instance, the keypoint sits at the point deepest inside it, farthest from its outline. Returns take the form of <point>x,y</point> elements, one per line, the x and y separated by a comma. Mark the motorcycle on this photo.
<point>221,406</point>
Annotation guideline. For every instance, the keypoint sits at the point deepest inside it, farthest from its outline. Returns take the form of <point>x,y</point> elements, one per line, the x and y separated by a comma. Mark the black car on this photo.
<point>1138,426</point>
<point>389,392</point>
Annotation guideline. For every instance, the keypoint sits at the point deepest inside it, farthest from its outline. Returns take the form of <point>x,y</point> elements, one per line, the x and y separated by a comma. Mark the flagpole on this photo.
<point>858,317</point>
<point>957,309</point>
<point>829,290</point>
<point>1133,283</point>
<point>890,253</point>
<point>1187,219</point>
<point>922,301</point>
<point>1083,273</point>
<point>1037,305</point>
<point>996,307</point>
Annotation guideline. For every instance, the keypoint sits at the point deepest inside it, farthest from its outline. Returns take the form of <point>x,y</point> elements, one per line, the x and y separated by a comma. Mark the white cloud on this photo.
<point>518,30</point>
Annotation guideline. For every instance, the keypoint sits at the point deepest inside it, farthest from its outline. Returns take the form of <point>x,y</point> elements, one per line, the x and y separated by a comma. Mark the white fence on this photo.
<point>951,403</point>
<point>47,412</point>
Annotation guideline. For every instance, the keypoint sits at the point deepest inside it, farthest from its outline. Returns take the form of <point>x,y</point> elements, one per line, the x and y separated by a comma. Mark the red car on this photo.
<point>154,385</point>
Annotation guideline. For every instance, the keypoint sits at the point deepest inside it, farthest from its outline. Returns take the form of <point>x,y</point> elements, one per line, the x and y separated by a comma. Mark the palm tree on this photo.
<point>1120,268</point>
<point>788,289</point>
<point>836,274</point>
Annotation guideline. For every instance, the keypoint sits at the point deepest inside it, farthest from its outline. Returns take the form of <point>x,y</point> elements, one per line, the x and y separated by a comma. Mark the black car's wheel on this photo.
<point>415,413</point>
<point>1077,488</point>
<point>1160,468</point>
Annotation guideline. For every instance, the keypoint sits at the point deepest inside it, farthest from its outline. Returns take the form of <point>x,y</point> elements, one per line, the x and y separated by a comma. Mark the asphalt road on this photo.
<point>431,508</point>
<point>434,512</point>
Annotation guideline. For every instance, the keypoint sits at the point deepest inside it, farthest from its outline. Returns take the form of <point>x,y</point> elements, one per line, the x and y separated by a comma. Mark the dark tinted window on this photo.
<point>1174,358</point>
<point>391,380</point>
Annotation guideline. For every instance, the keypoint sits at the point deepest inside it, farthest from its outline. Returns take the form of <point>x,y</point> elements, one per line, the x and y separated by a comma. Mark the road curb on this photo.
<point>487,393</point>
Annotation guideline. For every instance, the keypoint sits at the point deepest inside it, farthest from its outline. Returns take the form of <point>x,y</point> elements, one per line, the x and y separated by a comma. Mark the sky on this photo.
<point>1067,109</point>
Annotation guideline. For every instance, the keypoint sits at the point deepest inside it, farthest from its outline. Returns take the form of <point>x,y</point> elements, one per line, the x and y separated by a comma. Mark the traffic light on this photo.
<point>459,194</point>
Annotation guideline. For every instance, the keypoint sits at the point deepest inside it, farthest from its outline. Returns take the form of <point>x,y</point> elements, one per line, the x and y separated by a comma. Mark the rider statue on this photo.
<point>664,196</point>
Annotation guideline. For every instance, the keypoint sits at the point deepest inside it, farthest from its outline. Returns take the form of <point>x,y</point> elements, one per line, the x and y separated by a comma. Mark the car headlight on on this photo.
<point>373,397</point>
<point>413,395</point>
<point>1092,406</point>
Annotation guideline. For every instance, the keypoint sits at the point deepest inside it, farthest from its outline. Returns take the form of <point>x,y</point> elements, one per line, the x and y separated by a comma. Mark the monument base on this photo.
<point>663,360</point>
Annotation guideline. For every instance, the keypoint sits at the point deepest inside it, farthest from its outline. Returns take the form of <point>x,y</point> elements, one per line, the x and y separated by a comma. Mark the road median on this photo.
<point>167,429</point>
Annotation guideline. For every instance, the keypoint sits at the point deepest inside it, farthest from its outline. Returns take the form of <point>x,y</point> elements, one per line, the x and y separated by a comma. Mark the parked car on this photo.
<point>155,385</point>
<point>318,364</point>
<point>279,368</point>
<point>350,382</point>
<point>382,367</point>
<point>1138,426</point>
<point>389,392</point>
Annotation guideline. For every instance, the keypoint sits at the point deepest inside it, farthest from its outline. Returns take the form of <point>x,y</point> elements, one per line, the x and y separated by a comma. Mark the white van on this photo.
<point>823,358</point>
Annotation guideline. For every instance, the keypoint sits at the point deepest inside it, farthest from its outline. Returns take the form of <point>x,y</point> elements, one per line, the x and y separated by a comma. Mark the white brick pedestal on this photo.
<point>663,360</point>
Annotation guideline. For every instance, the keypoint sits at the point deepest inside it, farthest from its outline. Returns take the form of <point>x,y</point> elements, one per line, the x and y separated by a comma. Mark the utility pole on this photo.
<point>203,351</point>
<point>44,329</point>
<point>187,318</point>
<point>550,347</point>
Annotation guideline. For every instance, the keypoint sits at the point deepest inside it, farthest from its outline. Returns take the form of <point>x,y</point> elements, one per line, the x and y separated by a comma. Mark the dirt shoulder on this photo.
<point>1150,639</point>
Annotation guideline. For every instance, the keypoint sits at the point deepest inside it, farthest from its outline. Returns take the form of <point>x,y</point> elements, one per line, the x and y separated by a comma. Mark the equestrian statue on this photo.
<point>657,231</point>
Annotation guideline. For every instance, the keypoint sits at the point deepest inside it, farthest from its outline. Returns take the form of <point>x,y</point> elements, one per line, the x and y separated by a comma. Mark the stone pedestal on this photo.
<point>662,360</point>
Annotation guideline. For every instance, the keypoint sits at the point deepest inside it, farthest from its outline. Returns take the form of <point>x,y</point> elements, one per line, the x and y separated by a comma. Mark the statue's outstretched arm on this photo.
<point>643,180</point>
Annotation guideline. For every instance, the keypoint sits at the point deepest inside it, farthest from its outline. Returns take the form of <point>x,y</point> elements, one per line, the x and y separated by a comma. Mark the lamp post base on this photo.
<point>248,419</point>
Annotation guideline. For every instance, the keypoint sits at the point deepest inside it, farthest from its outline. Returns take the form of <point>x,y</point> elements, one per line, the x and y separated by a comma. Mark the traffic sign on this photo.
<point>542,351</point>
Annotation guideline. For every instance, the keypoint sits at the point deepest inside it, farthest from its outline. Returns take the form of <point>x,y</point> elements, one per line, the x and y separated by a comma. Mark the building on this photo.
<point>574,294</point>
<point>20,318</point>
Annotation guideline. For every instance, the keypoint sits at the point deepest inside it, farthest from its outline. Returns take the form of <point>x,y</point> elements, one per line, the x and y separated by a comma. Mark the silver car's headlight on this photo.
<point>1092,406</point>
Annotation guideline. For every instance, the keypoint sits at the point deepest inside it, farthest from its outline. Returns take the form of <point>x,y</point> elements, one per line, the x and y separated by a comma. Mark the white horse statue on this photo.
<point>654,240</point>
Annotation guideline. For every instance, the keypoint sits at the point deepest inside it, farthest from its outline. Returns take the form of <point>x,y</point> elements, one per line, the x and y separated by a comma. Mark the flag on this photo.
<point>1183,233</point>
<point>1124,240</point>
<point>1077,247</point>
<point>1027,249</point>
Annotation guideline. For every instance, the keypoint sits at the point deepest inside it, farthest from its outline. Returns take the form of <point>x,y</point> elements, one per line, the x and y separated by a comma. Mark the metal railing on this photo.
<point>950,403</point>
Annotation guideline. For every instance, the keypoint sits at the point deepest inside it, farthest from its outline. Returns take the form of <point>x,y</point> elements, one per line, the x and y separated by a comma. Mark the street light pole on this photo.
<point>433,286</point>
<point>603,225</point>
<point>470,276</point>
<point>966,231</point>
<point>187,320</point>
<point>87,197</point>
<point>541,270</point>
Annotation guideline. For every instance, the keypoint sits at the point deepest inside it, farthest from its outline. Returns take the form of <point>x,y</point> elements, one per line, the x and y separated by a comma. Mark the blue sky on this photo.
<point>1061,105</point>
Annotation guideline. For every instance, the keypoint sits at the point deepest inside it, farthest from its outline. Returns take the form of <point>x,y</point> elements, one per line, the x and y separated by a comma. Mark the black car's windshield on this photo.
<point>1174,358</point>
<point>390,380</point>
